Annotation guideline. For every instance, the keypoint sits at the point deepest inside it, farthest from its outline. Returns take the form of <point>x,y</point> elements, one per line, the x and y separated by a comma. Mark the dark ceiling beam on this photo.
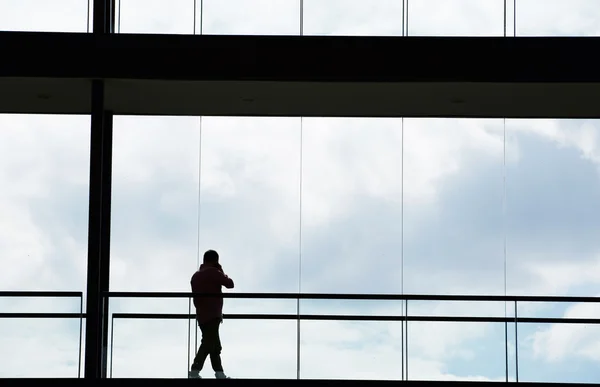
<point>289,58</point>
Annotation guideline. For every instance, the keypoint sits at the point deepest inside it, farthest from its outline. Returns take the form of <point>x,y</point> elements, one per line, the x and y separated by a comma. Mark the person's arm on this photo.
<point>225,280</point>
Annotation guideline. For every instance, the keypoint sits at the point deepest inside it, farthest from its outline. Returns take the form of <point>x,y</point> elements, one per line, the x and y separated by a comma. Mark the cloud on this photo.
<point>388,205</point>
<point>42,16</point>
<point>469,18</point>
<point>575,18</point>
<point>561,341</point>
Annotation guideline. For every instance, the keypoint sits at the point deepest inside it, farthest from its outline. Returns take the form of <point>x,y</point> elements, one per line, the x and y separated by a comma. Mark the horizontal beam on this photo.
<point>299,59</point>
<point>301,76</point>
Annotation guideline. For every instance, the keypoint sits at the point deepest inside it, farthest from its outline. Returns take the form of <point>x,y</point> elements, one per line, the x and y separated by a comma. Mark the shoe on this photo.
<point>221,375</point>
<point>194,374</point>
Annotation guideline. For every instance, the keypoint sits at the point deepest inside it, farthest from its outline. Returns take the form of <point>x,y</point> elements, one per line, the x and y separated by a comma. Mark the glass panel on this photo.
<point>260,306</point>
<point>560,353</point>
<point>251,17</point>
<point>46,16</point>
<point>353,17</point>
<point>40,305</point>
<point>156,16</point>
<point>44,175</point>
<point>454,351</point>
<point>154,241</point>
<point>337,349</point>
<point>351,205</point>
<point>352,307</point>
<point>351,350</point>
<point>249,200</point>
<point>558,18</point>
<point>449,350</point>
<point>483,309</point>
<point>455,18</point>
<point>552,188</point>
<point>453,206</point>
<point>151,305</point>
<point>130,356</point>
<point>39,348</point>
<point>149,349</point>
<point>254,349</point>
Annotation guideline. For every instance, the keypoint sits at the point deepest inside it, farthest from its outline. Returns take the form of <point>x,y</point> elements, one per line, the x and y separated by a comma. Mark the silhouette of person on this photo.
<point>209,313</point>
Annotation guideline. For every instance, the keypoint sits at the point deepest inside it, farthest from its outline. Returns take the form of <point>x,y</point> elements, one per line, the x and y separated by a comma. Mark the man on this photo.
<point>209,313</point>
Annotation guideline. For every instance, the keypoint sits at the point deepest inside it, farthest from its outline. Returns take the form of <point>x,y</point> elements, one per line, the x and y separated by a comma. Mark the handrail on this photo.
<point>331,317</point>
<point>340,296</point>
<point>42,315</point>
<point>40,294</point>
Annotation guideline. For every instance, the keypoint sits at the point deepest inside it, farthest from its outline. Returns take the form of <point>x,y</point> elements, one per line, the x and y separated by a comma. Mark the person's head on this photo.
<point>211,257</point>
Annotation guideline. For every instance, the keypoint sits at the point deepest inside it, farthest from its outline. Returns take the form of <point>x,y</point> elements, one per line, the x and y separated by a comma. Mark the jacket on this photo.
<point>209,279</point>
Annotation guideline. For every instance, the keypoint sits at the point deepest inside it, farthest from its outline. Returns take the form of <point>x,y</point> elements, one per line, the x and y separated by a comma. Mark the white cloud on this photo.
<point>559,342</point>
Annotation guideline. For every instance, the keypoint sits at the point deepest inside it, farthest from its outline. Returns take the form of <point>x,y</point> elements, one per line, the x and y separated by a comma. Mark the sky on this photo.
<point>334,205</point>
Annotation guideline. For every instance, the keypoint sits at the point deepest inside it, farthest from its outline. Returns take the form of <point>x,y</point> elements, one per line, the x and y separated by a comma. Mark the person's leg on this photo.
<point>215,353</point>
<point>203,351</point>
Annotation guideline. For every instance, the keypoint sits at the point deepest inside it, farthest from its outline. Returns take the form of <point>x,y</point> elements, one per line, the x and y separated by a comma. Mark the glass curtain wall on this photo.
<point>315,17</point>
<point>44,180</point>
<point>360,206</point>
<point>351,17</point>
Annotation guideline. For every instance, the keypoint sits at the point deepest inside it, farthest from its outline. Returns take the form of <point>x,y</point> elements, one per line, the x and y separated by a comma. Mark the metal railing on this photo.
<point>404,319</point>
<point>48,315</point>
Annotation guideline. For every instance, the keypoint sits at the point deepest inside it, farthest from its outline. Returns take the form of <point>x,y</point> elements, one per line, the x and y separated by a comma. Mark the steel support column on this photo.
<point>98,272</point>
<point>96,242</point>
<point>107,143</point>
<point>104,16</point>
<point>98,275</point>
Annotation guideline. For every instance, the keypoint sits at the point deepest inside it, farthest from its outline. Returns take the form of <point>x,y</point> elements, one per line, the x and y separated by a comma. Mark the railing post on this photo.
<point>112,344</point>
<point>516,345</point>
<point>506,348</point>
<point>406,335</point>
<point>402,322</point>
<point>298,339</point>
<point>79,359</point>
<point>507,374</point>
